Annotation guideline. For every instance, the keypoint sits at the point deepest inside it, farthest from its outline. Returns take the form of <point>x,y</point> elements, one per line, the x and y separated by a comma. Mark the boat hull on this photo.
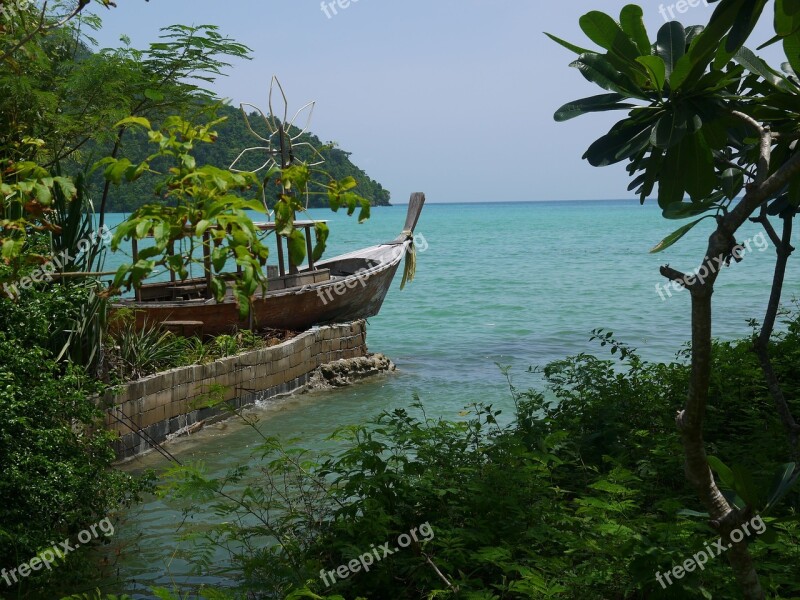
<point>358,286</point>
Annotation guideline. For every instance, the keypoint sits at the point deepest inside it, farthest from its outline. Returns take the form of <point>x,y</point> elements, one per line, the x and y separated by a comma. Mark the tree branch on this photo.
<point>784,250</point>
<point>41,28</point>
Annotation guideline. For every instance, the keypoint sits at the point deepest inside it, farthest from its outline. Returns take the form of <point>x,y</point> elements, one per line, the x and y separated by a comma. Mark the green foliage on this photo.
<point>207,209</point>
<point>133,352</point>
<point>580,495</point>
<point>207,205</point>
<point>233,137</point>
<point>692,96</point>
<point>161,594</point>
<point>54,451</point>
<point>59,101</point>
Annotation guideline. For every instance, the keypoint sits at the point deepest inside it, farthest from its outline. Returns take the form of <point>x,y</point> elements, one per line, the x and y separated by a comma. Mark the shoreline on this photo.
<point>152,411</point>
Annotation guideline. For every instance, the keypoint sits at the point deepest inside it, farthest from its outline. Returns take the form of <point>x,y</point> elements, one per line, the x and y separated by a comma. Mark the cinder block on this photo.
<point>135,390</point>
<point>174,409</point>
<point>180,376</point>
<point>180,392</point>
<point>152,385</point>
<point>261,370</point>
<point>150,417</point>
<point>300,371</point>
<point>208,371</point>
<point>294,359</point>
<point>167,380</point>
<point>290,348</point>
<point>164,396</point>
<point>306,340</point>
<point>151,402</point>
<point>268,356</point>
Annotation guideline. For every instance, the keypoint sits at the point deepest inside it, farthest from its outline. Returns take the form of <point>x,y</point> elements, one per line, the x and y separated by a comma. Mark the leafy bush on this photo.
<point>54,452</point>
<point>134,352</point>
<point>581,496</point>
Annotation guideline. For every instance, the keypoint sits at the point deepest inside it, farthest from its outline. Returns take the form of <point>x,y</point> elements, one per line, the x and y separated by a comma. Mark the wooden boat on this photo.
<point>347,287</point>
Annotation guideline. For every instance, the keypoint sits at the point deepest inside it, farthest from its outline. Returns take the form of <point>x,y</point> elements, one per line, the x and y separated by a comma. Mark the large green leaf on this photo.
<point>321,232</point>
<point>670,130</point>
<point>675,236</point>
<point>141,121</point>
<point>745,486</point>
<point>706,45</point>
<point>597,69</point>
<point>754,64</point>
<point>720,468</point>
<point>721,21</point>
<point>567,45</point>
<point>732,182</point>
<point>784,480</point>
<point>791,46</point>
<point>787,19</point>
<point>697,166</point>
<point>671,45</point>
<point>624,140</point>
<point>364,213</point>
<point>116,170</point>
<point>297,247</point>
<point>631,20</point>
<point>744,24</point>
<point>685,210</point>
<point>606,33</point>
<point>602,102</point>
<point>656,69</point>
<point>670,183</point>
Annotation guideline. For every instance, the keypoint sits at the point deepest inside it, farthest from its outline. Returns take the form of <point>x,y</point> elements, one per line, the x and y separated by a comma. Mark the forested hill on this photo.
<point>233,138</point>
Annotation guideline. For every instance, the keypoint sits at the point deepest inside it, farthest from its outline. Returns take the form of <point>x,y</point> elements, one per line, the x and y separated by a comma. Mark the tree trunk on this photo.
<point>724,517</point>
<point>784,250</point>
<point>107,186</point>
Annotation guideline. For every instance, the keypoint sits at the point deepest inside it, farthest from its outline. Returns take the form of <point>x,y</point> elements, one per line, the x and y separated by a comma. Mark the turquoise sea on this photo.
<point>516,284</point>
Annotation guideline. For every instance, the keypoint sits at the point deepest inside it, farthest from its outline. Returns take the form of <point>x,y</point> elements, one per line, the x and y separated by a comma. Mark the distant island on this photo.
<point>233,138</point>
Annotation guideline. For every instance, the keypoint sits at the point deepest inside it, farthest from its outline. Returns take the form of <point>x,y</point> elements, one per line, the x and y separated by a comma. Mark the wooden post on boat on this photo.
<point>207,263</point>
<point>309,249</point>
<point>281,265</point>
<point>171,252</point>
<point>135,249</point>
<point>415,205</point>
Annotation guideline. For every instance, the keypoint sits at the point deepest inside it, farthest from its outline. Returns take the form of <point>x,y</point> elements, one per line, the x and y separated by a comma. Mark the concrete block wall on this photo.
<point>152,409</point>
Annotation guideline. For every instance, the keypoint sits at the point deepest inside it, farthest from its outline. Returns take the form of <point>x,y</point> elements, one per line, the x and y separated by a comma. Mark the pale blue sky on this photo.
<point>451,97</point>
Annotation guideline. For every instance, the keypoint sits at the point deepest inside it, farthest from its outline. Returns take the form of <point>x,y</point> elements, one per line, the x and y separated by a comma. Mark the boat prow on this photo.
<point>345,288</point>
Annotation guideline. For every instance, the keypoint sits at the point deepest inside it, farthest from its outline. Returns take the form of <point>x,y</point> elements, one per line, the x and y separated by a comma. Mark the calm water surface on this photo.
<point>515,284</point>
